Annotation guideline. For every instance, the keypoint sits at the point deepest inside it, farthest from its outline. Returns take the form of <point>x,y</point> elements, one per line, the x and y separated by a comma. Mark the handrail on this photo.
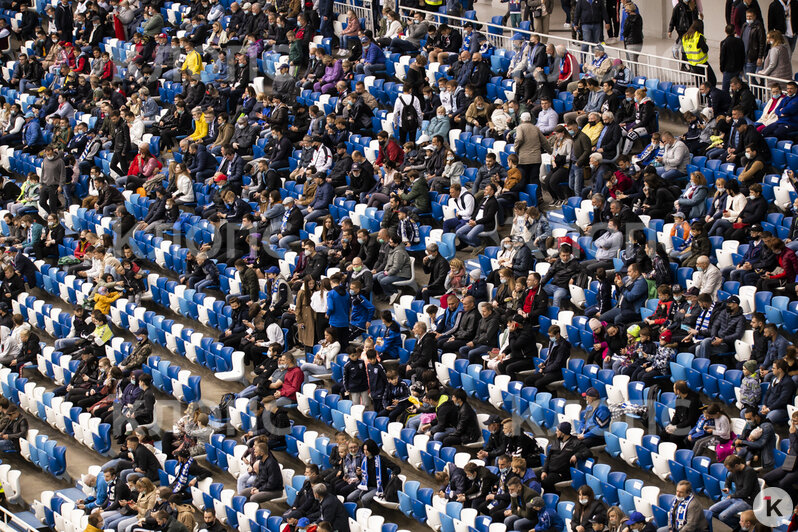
<point>362,8</point>
<point>7,517</point>
<point>648,65</point>
<point>760,85</point>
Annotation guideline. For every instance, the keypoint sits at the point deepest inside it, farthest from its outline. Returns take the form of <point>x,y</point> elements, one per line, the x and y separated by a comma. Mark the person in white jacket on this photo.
<point>708,279</point>
<point>769,115</point>
<point>185,187</point>
<point>675,157</point>
<point>735,203</point>
<point>325,356</point>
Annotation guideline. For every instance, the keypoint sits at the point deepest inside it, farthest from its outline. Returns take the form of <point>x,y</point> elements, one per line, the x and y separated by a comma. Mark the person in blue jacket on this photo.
<point>388,345</point>
<point>787,123</point>
<point>635,293</point>
<point>548,520</point>
<point>594,419</point>
<point>362,310</point>
<point>100,492</point>
<point>355,379</point>
<point>320,206</point>
<point>448,319</point>
<point>780,394</point>
<point>373,60</point>
<point>396,399</point>
<point>32,138</point>
<point>339,304</point>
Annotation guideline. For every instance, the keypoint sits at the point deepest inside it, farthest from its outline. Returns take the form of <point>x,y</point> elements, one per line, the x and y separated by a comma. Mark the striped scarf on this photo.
<point>679,513</point>
<point>364,482</point>
<point>182,477</point>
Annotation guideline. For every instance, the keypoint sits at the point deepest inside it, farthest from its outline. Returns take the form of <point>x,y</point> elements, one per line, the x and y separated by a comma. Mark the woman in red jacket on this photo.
<point>785,272</point>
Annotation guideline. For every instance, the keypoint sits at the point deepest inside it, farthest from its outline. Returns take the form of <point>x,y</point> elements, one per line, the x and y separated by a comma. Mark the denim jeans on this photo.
<point>727,511</point>
<point>63,343</point>
<point>557,293</point>
<point>727,77</point>
<point>283,242</point>
<point>387,281</point>
<point>470,235</point>
<point>453,224</point>
<point>778,416</point>
<point>576,179</point>
<point>441,434</point>
<point>590,33</point>
<point>315,214</point>
<point>369,69</point>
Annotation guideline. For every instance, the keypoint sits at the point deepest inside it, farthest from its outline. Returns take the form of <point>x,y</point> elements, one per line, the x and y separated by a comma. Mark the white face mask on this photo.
<point>583,501</point>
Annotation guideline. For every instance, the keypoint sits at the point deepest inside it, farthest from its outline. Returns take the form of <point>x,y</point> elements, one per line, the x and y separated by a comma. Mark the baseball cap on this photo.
<point>693,291</point>
<point>592,392</point>
<point>303,522</point>
<point>679,215</point>
<point>29,114</point>
<point>492,419</point>
<point>273,269</point>
<point>756,228</point>
<point>635,518</point>
<point>598,48</point>
<point>733,299</point>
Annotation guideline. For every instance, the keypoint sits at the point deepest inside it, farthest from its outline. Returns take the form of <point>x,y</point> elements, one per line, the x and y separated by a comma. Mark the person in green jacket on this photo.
<point>418,194</point>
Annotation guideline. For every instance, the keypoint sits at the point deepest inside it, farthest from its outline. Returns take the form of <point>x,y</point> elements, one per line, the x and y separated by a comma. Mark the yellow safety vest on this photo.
<point>433,2</point>
<point>695,56</point>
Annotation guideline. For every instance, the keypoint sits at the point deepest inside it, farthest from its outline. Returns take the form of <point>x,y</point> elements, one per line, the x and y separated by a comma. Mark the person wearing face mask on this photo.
<point>687,512</point>
<point>437,267</point>
<point>563,453</point>
<point>587,510</point>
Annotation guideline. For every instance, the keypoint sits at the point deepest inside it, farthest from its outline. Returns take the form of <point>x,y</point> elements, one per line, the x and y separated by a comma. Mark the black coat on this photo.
<point>424,352</point>
<point>732,54</point>
<point>146,461</point>
<point>333,511</point>
<point>558,459</point>
<point>438,269</point>
<point>467,425</point>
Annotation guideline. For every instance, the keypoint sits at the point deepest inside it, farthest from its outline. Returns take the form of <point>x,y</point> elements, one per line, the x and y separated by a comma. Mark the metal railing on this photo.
<point>660,67</point>
<point>362,8</point>
<point>11,523</point>
<point>760,85</point>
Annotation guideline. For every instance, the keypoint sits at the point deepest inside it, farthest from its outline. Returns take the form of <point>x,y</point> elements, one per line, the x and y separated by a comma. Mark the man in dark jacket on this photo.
<point>729,326</point>
<point>16,428</point>
<point>494,447</point>
<point>144,462</point>
<point>732,57</point>
<point>292,222</point>
<point>742,486</point>
<point>332,510</point>
<point>269,482</point>
<point>563,453</point>
<point>467,428</point>
<point>561,274</point>
<point>486,337</point>
<point>481,482</point>
<point>550,370</point>
<point>780,393</point>
<point>425,352</point>
<point>108,197</point>
<point>464,329</point>
<point>588,18</point>
<point>741,96</point>
<point>484,219</point>
<point>438,269</point>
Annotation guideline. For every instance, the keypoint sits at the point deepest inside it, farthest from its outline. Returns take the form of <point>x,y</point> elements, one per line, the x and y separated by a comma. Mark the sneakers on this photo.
<point>566,26</point>
<point>394,298</point>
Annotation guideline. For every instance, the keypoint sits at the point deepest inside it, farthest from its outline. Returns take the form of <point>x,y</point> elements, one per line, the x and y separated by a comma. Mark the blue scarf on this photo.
<point>182,477</point>
<point>680,509</point>
<point>285,219</point>
<point>364,483</point>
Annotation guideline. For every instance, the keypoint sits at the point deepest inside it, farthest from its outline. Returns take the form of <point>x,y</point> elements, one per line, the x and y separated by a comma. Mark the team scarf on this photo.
<point>364,483</point>
<point>681,512</point>
<point>182,478</point>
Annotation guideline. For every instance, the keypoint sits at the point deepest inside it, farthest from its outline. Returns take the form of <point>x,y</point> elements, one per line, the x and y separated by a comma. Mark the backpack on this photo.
<point>222,412</point>
<point>409,118</point>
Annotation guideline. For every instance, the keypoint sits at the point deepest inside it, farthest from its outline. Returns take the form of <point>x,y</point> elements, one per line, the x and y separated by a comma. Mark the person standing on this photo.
<point>696,49</point>
<point>732,57</point>
<point>783,17</point>
<point>588,17</point>
<point>632,33</point>
<point>753,37</point>
<point>529,146</point>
